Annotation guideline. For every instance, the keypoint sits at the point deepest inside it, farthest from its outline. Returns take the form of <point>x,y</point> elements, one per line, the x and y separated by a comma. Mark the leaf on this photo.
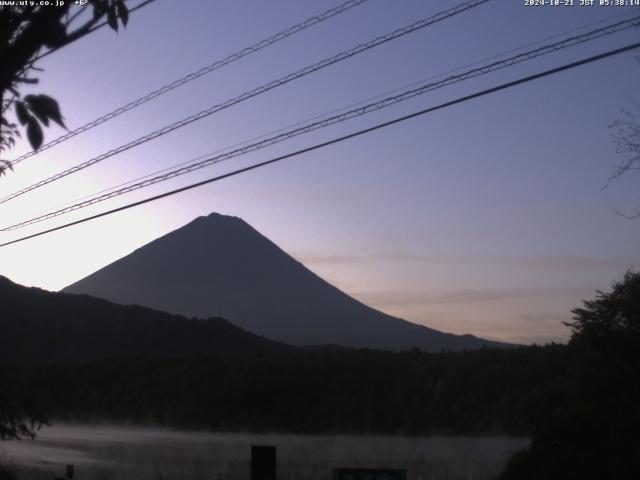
<point>22,113</point>
<point>123,12</point>
<point>34,134</point>
<point>55,35</point>
<point>45,108</point>
<point>39,111</point>
<point>112,18</point>
<point>31,81</point>
<point>38,107</point>
<point>4,166</point>
<point>98,8</point>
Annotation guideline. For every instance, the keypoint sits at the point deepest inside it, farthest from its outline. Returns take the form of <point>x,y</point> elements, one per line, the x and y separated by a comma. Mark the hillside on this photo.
<point>38,326</point>
<point>220,266</point>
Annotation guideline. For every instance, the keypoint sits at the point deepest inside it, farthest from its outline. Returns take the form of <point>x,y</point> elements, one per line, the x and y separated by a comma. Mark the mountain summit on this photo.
<point>220,266</point>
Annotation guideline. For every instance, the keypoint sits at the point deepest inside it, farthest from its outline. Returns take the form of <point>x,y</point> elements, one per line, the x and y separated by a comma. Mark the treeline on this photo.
<point>580,402</point>
<point>593,429</point>
<point>41,326</point>
<point>321,390</point>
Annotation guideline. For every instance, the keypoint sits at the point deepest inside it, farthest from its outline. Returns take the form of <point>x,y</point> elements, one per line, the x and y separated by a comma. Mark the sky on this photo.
<point>490,217</point>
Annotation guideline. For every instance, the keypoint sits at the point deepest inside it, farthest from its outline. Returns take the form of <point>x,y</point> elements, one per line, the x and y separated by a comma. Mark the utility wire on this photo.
<point>341,109</point>
<point>257,91</point>
<point>406,95</point>
<point>193,75</point>
<point>379,126</point>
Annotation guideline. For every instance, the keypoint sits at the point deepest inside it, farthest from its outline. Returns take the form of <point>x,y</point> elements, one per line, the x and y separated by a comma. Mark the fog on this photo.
<point>122,453</point>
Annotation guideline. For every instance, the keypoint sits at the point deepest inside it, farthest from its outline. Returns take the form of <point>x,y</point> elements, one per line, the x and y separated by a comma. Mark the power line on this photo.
<point>257,91</point>
<point>193,75</point>
<point>332,120</point>
<point>441,106</point>
<point>341,109</point>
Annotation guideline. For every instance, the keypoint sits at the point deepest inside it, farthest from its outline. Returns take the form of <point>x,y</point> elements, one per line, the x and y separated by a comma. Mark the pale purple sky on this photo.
<point>487,218</point>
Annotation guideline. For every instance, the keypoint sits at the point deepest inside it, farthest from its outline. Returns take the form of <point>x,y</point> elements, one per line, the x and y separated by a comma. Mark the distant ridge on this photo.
<point>41,326</point>
<point>220,266</point>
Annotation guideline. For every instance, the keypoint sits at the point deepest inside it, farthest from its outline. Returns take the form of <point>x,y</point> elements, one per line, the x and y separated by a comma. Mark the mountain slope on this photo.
<point>219,265</point>
<point>37,325</point>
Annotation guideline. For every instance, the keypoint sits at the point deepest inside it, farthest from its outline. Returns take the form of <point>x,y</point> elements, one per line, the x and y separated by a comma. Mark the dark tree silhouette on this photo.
<point>626,136</point>
<point>18,418</point>
<point>597,432</point>
<point>610,316</point>
<point>27,33</point>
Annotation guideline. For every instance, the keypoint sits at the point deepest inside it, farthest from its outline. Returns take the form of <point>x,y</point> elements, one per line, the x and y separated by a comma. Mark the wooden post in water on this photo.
<point>69,471</point>
<point>263,462</point>
<point>369,474</point>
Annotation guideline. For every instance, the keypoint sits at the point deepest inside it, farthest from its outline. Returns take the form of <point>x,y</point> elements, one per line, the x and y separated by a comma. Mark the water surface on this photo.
<point>120,453</point>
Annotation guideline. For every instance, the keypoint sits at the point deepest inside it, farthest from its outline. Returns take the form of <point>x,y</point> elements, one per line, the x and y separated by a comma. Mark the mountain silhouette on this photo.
<point>41,326</point>
<point>220,266</point>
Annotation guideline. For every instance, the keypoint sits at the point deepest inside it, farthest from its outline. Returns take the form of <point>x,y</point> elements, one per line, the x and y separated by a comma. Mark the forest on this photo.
<point>490,390</point>
<point>579,402</point>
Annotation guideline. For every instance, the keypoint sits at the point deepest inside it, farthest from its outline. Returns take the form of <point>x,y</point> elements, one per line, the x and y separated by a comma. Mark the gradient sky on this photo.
<point>488,217</point>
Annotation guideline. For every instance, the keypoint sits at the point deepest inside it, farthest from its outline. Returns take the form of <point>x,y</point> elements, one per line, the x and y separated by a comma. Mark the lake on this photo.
<point>122,453</point>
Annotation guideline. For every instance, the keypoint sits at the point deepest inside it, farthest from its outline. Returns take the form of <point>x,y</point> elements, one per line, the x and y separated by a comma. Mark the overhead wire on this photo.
<point>257,91</point>
<point>345,107</point>
<point>194,75</point>
<point>358,133</point>
<point>332,120</point>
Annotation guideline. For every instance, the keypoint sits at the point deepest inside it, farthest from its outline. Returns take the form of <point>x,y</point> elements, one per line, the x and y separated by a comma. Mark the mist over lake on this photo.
<point>125,453</point>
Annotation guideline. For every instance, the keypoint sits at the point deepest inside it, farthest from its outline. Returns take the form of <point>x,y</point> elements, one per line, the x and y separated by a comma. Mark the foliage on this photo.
<point>473,392</point>
<point>18,418</point>
<point>626,136</point>
<point>627,139</point>
<point>26,29</point>
<point>211,374</point>
<point>610,316</point>
<point>580,402</point>
<point>80,327</point>
<point>596,433</point>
